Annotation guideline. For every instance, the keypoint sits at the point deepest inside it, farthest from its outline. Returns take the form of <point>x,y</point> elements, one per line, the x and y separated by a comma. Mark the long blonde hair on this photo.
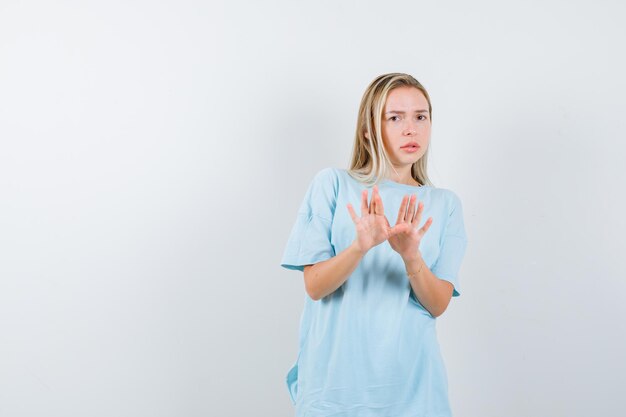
<point>370,161</point>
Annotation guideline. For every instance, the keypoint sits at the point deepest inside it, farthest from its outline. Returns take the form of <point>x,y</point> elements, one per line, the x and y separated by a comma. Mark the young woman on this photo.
<point>368,344</point>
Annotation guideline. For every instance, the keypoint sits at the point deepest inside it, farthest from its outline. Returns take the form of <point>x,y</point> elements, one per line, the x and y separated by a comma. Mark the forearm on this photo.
<point>433,293</point>
<point>325,277</point>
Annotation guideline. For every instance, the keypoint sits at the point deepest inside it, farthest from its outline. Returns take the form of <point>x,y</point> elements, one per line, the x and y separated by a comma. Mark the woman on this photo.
<point>368,344</point>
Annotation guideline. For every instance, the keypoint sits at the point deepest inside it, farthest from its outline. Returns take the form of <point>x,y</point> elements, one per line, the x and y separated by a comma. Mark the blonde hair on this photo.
<point>370,161</point>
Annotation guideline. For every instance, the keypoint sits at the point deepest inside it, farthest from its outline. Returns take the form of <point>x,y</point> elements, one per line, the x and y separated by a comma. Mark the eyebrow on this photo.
<point>401,112</point>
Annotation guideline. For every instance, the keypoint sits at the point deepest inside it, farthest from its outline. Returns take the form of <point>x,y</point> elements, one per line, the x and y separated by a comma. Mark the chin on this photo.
<point>417,157</point>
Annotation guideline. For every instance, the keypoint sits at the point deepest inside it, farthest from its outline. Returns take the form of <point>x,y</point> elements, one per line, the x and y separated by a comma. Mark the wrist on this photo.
<point>414,265</point>
<point>414,258</point>
<point>357,249</point>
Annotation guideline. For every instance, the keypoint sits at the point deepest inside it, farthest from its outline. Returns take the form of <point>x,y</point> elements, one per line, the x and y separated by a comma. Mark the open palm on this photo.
<point>405,236</point>
<point>372,228</point>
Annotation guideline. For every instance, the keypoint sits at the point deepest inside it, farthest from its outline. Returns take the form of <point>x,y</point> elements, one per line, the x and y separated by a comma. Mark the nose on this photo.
<point>410,129</point>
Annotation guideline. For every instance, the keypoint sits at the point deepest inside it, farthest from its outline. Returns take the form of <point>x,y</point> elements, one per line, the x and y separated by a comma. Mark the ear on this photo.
<point>367,135</point>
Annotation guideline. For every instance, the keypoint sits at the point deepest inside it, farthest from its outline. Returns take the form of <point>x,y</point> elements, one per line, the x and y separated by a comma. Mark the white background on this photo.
<point>153,156</point>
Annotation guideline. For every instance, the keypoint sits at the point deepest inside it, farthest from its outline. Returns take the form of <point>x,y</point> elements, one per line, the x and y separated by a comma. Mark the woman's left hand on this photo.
<point>407,236</point>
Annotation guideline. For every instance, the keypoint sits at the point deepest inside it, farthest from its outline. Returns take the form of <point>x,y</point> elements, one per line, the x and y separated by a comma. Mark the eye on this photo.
<point>421,115</point>
<point>394,118</point>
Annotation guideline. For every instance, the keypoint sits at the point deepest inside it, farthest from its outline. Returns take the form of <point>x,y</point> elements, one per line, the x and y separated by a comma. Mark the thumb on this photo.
<point>398,228</point>
<point>393,231</point>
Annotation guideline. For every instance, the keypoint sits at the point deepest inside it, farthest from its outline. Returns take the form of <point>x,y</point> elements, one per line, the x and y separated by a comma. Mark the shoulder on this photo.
<point>328,173</point>
<point>450,199</point>
<point>327,178</point>
<point>324,185</point>
<point>321,195</point>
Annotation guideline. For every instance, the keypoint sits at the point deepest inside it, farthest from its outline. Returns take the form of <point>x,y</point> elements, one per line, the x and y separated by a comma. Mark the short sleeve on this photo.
<point>310,239</point>
<point>452,246</point>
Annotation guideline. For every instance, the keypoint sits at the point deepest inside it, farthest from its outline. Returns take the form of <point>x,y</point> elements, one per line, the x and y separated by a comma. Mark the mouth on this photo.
<point>411,147</point>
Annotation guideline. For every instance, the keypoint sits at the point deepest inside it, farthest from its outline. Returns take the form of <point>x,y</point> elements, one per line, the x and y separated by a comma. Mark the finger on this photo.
<point>411,211</point>
<point>355,219</point>
<point>426,226</point>
<point>402,211</point>
<point>364,209</point>
<point>380,209</point>
<point>418,215</point>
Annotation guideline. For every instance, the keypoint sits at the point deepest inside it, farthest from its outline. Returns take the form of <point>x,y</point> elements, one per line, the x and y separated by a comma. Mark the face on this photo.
<point>406,126</point>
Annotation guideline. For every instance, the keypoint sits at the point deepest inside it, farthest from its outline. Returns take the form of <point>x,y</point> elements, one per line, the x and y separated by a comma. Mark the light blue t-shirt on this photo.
<point>370,349</point>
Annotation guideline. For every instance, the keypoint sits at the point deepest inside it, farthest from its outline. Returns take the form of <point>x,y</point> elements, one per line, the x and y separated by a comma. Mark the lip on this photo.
<point>411,147</point>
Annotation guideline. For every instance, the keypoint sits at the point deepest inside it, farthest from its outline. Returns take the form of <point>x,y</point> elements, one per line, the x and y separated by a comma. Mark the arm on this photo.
<point>372,228</point>
<point>325,277</point>
<point>433,293</point>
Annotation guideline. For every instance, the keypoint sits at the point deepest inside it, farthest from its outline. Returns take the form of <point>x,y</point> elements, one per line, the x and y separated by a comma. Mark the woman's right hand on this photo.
<point>372,228</point>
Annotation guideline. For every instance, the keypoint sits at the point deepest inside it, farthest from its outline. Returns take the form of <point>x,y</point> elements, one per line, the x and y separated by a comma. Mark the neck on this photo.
<point>402,174</point>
